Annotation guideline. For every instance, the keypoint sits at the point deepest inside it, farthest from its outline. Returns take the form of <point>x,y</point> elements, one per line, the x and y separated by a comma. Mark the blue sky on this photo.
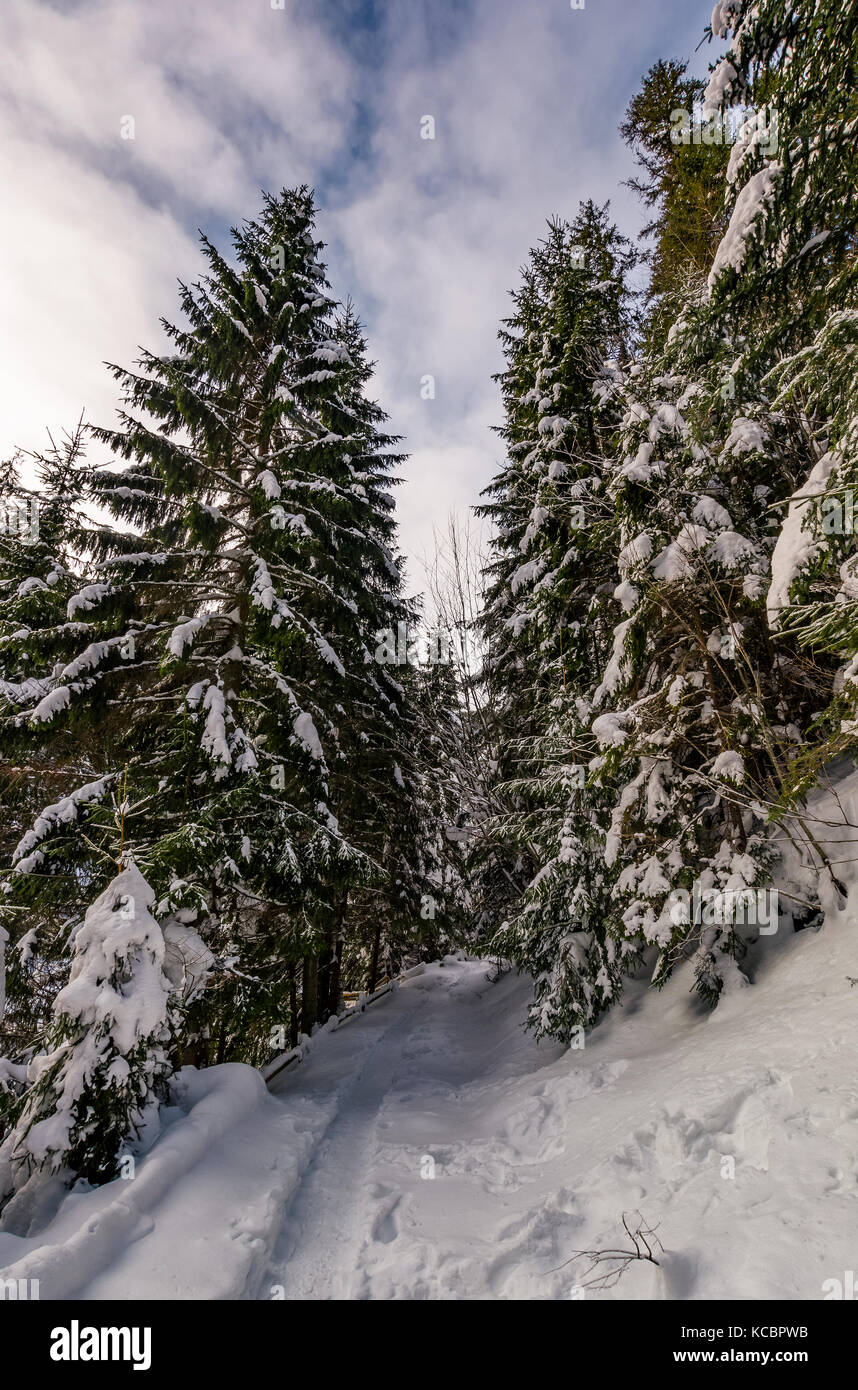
<point>228,96</point>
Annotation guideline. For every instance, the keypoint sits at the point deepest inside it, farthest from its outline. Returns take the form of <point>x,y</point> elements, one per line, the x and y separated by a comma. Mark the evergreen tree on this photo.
<point>106,1061</point>
<point>41,530</point>
<point>226,662</point>
<point>701,711</point>
<point>682,157</point>
<point>546,623</point>
<point>786,269</point>
<point>707,715</point>
<point>787,265</point>
<point>788,251</point>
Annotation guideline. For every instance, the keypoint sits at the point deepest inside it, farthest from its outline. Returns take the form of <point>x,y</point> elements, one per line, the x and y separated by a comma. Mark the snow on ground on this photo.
<point>538,1152</point>
<point>324,1189</point>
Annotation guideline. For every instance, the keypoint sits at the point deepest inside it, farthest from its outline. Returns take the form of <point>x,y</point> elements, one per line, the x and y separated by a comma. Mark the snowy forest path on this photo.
<point>326,1220</point>
<point>433,1149</point>
<point>368,1187</point>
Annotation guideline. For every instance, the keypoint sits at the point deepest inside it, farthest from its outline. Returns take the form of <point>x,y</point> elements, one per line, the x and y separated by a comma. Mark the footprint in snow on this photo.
<point>385,1227</point>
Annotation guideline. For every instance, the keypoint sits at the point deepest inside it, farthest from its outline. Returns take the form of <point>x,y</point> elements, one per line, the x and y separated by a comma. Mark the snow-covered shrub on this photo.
<point>106,1059</point>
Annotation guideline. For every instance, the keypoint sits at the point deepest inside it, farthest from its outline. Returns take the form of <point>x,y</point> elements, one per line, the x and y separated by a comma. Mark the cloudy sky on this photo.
<point>230,96</point>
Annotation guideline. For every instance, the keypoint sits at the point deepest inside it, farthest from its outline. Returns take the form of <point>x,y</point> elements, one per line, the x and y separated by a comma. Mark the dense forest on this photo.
<point>244,772</point>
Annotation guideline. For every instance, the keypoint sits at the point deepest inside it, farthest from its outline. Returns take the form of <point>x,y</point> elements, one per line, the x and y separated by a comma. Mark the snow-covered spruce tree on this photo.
<point>445,916</point>
<point>813,594</point>
<point>376,778</point>
<point>458,742</point>
<point>37,574</point>
<point>698,713</point>
<point>40,530</point>
<point>106,1060</point>
<point>790,251</point>
<point>405,807</point>
<point>547,629</point>
<point>227,670</point>
<point>787,256</point>
<point>706,714</point>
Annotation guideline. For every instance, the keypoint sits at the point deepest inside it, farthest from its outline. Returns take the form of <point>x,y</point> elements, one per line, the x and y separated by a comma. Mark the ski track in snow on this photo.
<point>421,1069</point>
<point>318,1251</point>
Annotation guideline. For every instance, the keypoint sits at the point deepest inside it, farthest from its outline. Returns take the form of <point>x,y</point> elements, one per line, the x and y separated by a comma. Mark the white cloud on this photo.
<point>229,96</point>
<point>97,227</point>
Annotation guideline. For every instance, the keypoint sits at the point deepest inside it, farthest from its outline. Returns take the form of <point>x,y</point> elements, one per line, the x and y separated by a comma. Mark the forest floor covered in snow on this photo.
<point>433,1150</point>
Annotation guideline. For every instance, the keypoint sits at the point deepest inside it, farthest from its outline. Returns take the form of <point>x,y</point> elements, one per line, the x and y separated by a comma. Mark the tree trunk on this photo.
<point>326,957</point>
<point>376,952</point>
<point>330,974</point>
<point>309,994</point>
<point>293,1005</point>
<point>220,1055</point>
<point>334,989</point>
